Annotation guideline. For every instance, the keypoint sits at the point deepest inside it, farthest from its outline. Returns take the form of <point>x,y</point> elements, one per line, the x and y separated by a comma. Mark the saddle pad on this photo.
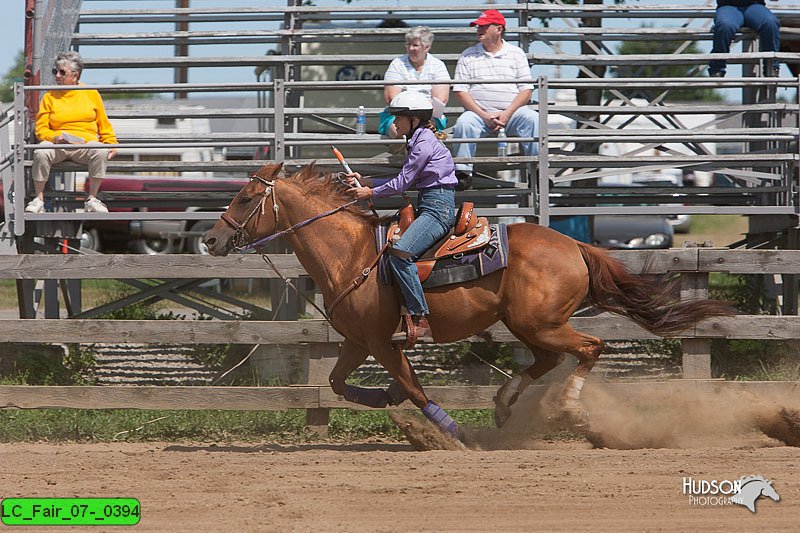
<point>449,270</point>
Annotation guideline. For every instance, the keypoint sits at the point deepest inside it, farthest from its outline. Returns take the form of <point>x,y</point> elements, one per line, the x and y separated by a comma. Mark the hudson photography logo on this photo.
<point>743,491</point>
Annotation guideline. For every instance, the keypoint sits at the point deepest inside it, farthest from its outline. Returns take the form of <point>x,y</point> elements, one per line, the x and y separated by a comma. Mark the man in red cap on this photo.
<point>491,106</point>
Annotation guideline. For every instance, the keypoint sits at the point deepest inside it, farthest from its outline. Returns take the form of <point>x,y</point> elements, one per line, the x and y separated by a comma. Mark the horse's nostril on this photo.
<point>209,241</point>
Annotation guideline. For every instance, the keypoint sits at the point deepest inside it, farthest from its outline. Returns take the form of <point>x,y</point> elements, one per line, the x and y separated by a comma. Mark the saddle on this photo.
<point>469,234</point>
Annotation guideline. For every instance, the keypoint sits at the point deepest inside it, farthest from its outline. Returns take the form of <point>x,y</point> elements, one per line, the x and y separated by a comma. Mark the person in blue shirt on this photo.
<point>428,167</point>
<point>729,18</point>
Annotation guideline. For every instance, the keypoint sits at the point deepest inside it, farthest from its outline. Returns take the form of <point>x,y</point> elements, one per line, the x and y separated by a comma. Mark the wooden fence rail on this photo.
<point>321,397</point>
<point>694,264</point>
<point>111,266</point>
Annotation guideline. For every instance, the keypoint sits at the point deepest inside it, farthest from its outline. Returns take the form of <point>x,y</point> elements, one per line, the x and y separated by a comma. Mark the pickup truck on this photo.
<point>159,193</point>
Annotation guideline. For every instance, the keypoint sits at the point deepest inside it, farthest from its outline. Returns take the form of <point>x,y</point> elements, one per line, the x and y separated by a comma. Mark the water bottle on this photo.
<point>361,121</point>
<point>502,144</point>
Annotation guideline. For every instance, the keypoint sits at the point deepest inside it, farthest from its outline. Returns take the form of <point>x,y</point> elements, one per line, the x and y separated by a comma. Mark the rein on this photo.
<point>241,237</point>
<point>239,242</point>
<point>299,225</point>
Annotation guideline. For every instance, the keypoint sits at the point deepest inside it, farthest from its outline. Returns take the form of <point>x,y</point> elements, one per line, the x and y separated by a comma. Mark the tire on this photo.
<point>194,245</point>
<point>155,246</point>
<point>90,240</point>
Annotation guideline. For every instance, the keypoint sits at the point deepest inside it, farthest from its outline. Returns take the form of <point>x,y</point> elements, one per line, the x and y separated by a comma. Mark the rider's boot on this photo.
<point>416,327</point>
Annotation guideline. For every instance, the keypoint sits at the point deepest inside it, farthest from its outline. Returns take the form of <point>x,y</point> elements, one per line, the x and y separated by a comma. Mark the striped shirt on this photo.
<point>509,63</point>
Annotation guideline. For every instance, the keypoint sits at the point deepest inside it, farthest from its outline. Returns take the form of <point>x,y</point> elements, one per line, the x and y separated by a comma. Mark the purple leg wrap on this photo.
<point>370,397</point>
<point>438,416</point>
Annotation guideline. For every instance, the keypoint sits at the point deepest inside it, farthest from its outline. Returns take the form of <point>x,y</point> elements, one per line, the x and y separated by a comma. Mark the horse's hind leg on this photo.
<point>510,391</point>
<point>587,349</point>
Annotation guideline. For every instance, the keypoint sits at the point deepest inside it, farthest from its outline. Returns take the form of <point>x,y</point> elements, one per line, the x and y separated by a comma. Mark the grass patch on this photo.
<point>721,230</point>
<point>107,425</point>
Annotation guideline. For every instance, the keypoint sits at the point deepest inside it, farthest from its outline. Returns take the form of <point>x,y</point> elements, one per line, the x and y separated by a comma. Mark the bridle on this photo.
<point>241,238</point>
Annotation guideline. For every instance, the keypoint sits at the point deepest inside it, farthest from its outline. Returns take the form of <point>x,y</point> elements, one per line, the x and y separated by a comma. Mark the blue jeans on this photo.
<point>729,19</point>
<point>435,216</point>
<point>523,123</point>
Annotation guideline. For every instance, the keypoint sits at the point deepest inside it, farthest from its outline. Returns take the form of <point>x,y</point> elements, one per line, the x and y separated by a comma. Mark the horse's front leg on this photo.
<point>351,356</point>
<point>398,366</point>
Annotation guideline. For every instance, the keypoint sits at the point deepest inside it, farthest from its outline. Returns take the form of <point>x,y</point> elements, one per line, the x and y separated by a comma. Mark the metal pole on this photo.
<point>19,160</point>
<point>181,50</point>
<point>38,38</point>
<point>279,98</point>
<point>544,172</point>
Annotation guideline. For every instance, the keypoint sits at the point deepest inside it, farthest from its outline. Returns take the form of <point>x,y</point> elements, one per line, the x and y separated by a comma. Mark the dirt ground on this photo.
<point>526,477</point>
<point>560,485</point>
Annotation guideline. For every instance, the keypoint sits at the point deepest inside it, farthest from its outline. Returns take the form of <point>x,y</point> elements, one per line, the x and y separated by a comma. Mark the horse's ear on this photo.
<point>270,171</point>
<point>309,170</point>
<point>276,169</point>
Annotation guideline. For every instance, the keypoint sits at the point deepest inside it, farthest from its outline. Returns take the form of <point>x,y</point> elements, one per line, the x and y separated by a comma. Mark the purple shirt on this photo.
<point>428,164</point>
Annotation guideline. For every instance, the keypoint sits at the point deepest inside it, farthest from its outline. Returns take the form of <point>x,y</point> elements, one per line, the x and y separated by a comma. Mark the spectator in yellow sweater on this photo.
<point>71,117</point>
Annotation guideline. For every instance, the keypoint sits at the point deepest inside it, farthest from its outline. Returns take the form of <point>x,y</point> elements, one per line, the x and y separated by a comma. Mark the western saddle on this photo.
<point>469,234</point>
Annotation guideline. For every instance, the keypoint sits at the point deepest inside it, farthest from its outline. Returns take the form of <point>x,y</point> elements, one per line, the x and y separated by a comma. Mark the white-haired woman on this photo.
<point>71,117</point>
<point>416,65</point>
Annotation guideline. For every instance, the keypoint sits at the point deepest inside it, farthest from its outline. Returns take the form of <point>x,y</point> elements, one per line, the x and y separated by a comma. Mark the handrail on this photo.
<point>553,83</point>
<point>535,59</point>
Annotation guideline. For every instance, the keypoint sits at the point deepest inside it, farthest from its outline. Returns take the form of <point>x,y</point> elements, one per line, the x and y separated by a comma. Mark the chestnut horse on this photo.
<point>549,276</point>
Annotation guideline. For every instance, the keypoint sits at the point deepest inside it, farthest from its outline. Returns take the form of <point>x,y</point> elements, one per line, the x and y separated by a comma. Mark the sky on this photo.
<point>12,28</point>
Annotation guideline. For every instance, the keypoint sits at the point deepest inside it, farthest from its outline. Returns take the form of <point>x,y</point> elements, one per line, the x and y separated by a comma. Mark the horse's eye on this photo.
<point>244,199</point>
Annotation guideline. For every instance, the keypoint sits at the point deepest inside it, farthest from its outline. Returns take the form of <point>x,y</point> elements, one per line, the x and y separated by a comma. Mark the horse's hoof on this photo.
<point>397,394</point>
<point>502,412</point>
<point>577,419</point>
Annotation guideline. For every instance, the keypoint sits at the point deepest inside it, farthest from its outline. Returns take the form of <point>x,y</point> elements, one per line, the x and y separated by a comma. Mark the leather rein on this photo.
<point>242,240</point>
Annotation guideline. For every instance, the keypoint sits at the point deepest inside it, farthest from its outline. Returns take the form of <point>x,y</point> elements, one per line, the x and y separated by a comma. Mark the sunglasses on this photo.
<point>61,71</point>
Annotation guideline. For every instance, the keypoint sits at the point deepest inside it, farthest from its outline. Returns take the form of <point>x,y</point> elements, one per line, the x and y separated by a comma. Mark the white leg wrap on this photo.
<point>572,389</point>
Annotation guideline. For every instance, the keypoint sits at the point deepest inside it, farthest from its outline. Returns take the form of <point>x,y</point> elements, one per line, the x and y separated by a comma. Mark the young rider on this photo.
<point>429,167</point>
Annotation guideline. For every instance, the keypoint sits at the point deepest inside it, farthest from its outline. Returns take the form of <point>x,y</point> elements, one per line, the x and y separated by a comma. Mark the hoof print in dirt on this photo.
<point>423,435</point>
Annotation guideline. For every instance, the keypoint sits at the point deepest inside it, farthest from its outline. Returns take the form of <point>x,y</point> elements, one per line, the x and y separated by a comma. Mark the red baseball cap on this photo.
<point>490,16</point>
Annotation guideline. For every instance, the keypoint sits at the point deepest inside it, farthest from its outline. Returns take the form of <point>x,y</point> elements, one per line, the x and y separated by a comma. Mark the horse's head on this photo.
<point>250,216</point>
<point>769,491</point>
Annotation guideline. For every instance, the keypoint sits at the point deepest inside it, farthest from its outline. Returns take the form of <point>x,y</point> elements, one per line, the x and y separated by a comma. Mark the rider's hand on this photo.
<point>352,178</point>
<point>362,193</point>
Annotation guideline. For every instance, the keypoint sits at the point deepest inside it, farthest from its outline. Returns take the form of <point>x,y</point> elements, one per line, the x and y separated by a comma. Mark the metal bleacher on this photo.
<point>757,126</point>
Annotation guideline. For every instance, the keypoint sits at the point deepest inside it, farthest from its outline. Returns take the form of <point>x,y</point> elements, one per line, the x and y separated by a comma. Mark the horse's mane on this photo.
<point>328,187</point>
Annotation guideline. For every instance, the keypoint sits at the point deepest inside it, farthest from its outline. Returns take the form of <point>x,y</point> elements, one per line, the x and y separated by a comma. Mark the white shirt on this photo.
<point>509,63</point>
<point>401,69</point>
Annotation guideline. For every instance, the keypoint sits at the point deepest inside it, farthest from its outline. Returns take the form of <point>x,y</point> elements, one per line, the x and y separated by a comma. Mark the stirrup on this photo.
<point>411,333</point>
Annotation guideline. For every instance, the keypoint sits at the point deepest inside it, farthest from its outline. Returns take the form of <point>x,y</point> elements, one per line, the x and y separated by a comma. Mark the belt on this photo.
<point>445,187</point>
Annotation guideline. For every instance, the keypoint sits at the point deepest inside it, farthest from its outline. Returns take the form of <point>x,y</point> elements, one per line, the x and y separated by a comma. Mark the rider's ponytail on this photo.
<point>442,136</point>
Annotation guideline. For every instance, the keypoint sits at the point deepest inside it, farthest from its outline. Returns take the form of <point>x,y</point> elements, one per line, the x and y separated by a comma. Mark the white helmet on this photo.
<point>412,104</point>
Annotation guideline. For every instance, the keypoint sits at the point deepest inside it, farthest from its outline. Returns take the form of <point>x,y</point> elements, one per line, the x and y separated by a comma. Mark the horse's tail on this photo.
<point>652,302</point>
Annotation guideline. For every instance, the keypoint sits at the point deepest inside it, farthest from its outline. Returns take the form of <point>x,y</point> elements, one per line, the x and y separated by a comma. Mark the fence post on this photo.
<point>696,359</point>
<point>543,191</point>
<point>279,101</point>
<point>321,359</point>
